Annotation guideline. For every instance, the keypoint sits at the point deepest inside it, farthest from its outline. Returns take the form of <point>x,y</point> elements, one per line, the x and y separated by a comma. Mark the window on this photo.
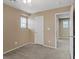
<point>65,24</point>
<point>23,22</point>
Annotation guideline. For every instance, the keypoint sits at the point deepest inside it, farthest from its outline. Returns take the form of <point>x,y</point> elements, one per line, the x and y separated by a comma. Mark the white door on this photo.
<point>39,30</point>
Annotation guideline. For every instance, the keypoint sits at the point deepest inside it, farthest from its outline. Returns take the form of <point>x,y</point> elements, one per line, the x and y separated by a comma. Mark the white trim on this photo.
<point>24,15</point>
<point>48,46</point>
<point>24,45</point>
<point>60,13</point>
<point>55,32</point>
<point>17,47</point>
<point>71,31</point>
<point>56,24</point>
<point>44,45</point>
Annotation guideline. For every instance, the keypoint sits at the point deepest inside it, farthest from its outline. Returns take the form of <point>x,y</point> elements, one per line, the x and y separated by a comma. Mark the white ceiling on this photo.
<point>38,5</point>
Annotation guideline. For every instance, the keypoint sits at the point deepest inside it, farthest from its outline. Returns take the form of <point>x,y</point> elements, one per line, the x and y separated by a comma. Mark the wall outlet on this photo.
<point>16,43</point>
<point>48,29</point>
<point>49,41</point>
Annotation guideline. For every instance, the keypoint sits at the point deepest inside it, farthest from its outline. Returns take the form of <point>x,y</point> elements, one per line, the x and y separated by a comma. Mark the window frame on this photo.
<point>65,24</point>
<point>23,29</point>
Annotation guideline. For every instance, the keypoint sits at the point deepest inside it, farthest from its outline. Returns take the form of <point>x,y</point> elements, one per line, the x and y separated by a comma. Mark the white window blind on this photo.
<point>23,22</point>
<point>65,24</point>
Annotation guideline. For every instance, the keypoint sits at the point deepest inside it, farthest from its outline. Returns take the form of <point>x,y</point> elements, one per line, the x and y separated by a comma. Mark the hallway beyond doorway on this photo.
<point>63,44</point>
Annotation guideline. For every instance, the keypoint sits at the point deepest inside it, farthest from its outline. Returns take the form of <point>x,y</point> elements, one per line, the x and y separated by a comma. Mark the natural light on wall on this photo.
<point>23,22</point>
<point>30,23</point>
<point>27,1</point>
<point>24,1</point>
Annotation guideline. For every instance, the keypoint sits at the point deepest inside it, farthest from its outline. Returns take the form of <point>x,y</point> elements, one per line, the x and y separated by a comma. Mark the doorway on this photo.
<point>63,36</point>
<point>66,43</point>
<point>39,30</point>
<point>62,32</point>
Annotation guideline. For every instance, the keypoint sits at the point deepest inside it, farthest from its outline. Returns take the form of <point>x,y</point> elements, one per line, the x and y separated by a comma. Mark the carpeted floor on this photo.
<point>63,44</point>
<point>35,51</point>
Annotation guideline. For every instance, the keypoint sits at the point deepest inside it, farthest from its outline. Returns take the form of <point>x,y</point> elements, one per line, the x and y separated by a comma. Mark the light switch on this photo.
<point>49,41</point>
<point>48,28</point>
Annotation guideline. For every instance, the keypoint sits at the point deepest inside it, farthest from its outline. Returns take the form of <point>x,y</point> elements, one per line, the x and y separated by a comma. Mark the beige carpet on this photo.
<point>35,51</point>
<point>63,44</point>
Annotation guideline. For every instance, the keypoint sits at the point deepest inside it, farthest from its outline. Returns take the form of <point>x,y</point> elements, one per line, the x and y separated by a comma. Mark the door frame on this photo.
<point>72,37</point>
<point>71,31</point>
<point>57,20</point>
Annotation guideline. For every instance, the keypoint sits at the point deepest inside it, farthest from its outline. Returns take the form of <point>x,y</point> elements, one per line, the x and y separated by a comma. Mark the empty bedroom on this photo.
<point>38,29</point>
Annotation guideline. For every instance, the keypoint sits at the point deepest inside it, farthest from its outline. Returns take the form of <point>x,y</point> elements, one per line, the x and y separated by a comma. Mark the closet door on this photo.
<point>39,30</point>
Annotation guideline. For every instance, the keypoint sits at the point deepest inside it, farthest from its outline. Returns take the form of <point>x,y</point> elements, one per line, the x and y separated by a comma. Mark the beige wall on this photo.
<point>11,31</point>
<point>49,21</point>
<point>13,34</point>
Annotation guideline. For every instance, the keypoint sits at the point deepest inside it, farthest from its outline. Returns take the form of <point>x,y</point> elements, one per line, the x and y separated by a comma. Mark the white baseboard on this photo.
<point>17,47</point>
<point>24,45</point>
<point>49,46</point>
<point>46,45</point>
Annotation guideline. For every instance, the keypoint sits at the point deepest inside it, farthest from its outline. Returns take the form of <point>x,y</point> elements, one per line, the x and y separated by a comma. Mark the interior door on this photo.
<point>39,30</point>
